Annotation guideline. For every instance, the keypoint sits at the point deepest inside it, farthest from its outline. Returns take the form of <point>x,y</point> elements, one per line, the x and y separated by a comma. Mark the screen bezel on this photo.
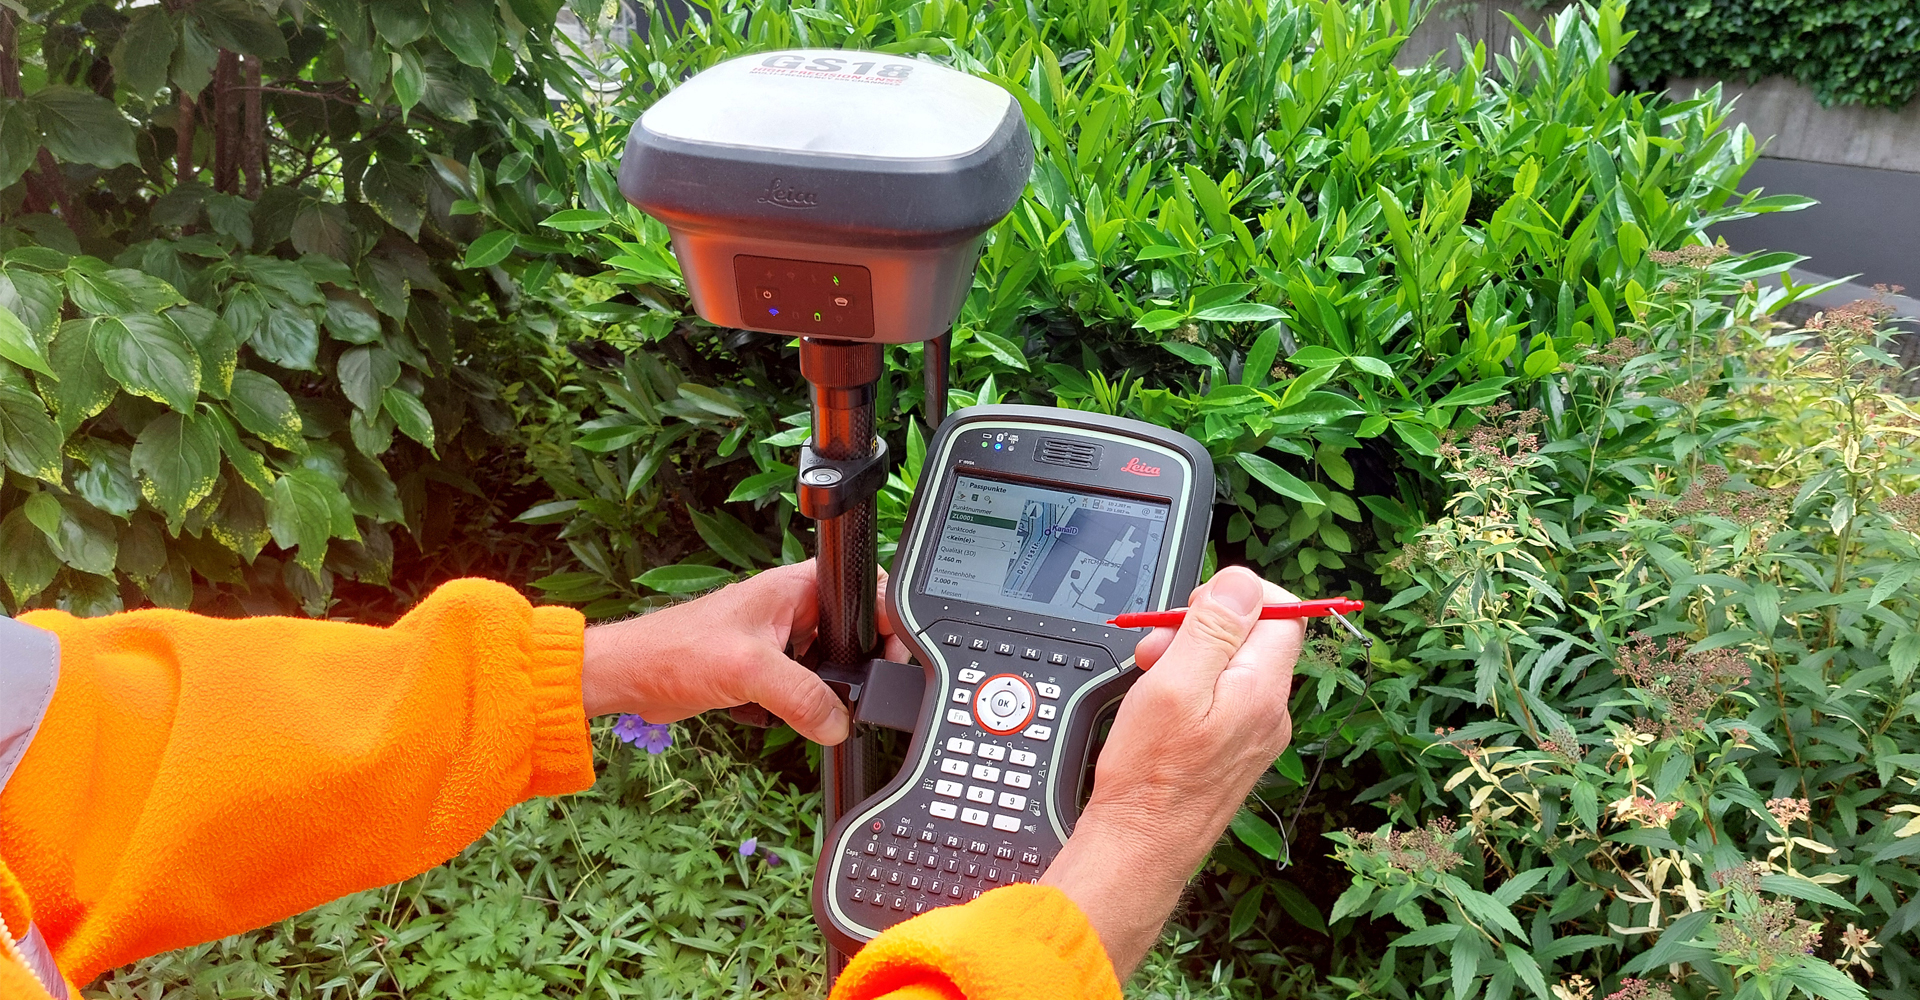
<point>937,520</point>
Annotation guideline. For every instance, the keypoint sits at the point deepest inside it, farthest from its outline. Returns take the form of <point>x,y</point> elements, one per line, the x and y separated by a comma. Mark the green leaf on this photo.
<point>1800,888</point>
<point>409,414</point>
<point>1763,603</point>
<point>95,293</point>
<point>148,357</point>
<point>1526,968</point>
<point>351,318</point>
<point>176,459</point>
<point>300,515</point>
<point>19,144</point>
<point>1159,319</point>
<point>1904,656</point>
<point>1476,394</point>
<point>27,562</point>
<point>1419,437</point>
<point>18,344</point>
<point>1246,911</point>
<point>490,249</point>
<point>1191,352</point>
<point>1240,312</point>
<point>762,484</point>
<point>80,126</point>
<point>1257,834</point>
<point>246,461</point>
<point>193,59</point>
<point>1298,906</point>
<point>105,478</point>
<point>322,227</point>
<point>466,28</point>
<point>409,79</point>
<point>1002,349</point>
<point>577,220</point>
<point>242,27</point>
<point>289,337</point>
<point>86,539</point>
<point>399,22</point>
<point>1334,463</point>
<point>85,388</point>
<point>28,436</point>
<point>1276,479</point>
<point>34,299</point>
<point>732,540</point>
<point>366,373</point>
<point>144,51</point>
<point>1819,979</point>
<point>214,342</point>
<point>1258,369</point>
<point>265,409</point>
<point>683,578</point>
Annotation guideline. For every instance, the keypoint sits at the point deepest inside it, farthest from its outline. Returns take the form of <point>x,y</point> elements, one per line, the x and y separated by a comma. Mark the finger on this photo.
<point>882,618</point>
<point>798,696</point>
<point>793,600</point>
<point>1217,625</point>
<point>1151,648</point>
<point>897,649</point>
<point>1260,674</point>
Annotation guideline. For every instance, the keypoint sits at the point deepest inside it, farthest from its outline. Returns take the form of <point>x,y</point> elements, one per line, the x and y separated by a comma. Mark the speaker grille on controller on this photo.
<point>1062,451</point>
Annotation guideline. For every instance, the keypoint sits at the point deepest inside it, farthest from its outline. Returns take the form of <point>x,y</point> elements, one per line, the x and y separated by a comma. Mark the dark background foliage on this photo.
<point>1848,51</point>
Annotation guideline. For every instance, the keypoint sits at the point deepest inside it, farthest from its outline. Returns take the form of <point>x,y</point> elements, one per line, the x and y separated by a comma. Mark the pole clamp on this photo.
<point>829,487</point>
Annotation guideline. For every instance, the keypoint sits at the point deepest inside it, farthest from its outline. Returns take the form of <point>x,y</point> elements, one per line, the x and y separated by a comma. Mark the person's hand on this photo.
<point>725,649</point>
<point>1190,740</point>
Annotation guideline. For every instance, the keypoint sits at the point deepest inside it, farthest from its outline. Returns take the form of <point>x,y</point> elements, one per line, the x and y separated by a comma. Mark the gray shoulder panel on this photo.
<point>29,671</point>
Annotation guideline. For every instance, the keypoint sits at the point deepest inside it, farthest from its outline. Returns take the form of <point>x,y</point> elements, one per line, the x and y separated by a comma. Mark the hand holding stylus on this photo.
<point>1191,738</point>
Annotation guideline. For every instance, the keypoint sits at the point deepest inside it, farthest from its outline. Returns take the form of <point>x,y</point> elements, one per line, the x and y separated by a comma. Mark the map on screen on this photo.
<point>1077,555</point>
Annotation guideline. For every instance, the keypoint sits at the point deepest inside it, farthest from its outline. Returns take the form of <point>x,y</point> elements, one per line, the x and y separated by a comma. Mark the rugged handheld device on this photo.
<point>1030,528</point>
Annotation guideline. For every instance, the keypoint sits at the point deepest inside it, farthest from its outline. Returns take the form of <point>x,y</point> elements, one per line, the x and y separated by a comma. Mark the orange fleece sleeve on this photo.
<point>196,777</point>
<point>1014,943</point>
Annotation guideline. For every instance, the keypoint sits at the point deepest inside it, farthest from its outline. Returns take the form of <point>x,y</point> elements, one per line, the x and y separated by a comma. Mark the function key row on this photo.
<point>1054,657</point>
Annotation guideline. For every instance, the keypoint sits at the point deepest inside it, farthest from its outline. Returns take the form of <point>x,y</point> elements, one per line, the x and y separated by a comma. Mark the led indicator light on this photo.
<point>983,444</point>
<point>816,317</point>
<point>773,312</point>
<point>997,447</point>
<point>836,279</point>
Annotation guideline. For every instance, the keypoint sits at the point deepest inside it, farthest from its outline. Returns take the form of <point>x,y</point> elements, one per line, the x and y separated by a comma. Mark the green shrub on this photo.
<point>236,350</point>
<point>1857,52</point>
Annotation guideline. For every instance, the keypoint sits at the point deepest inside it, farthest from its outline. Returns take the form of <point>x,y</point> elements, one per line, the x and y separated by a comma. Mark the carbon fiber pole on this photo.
<point>843,376</point>
<point>935,361</point>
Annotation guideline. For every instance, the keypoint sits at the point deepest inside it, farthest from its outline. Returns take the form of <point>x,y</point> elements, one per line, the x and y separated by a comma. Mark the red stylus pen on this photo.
<point>1297,609</point>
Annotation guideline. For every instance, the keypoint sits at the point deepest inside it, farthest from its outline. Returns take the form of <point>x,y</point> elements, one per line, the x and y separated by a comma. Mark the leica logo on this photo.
<point>1133,465</point>
<point>781,194</point>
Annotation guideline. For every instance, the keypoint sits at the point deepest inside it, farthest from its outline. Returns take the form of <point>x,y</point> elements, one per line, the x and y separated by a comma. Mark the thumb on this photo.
<point>1223,614</point>
<point>800,698</point>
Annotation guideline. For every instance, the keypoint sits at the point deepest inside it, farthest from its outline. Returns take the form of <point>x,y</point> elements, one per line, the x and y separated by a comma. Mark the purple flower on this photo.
<point>772,858</point>
<point>639,732</point>
<point>749,846</point>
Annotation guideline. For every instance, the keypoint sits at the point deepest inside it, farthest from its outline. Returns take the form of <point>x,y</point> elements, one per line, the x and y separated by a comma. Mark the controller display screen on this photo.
<point>1084,556</point>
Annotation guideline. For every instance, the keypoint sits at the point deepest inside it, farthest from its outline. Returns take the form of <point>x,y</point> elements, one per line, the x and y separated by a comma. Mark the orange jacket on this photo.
<point>194,778</point>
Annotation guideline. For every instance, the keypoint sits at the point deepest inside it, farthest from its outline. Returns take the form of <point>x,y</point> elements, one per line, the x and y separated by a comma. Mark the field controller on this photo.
<point>1031,526</point>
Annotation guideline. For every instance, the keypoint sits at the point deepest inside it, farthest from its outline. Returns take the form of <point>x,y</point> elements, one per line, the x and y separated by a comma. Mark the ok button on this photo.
<point>1003,704</point>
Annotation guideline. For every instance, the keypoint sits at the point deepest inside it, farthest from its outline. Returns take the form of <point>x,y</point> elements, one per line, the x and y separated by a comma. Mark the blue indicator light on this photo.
<point>773,312</point>
<point>997,447</point>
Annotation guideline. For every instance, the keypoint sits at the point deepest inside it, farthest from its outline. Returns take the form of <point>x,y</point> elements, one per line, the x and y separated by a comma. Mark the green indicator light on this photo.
<point>983,444</point>
<point>836,279</point>
<point>816,317</point>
